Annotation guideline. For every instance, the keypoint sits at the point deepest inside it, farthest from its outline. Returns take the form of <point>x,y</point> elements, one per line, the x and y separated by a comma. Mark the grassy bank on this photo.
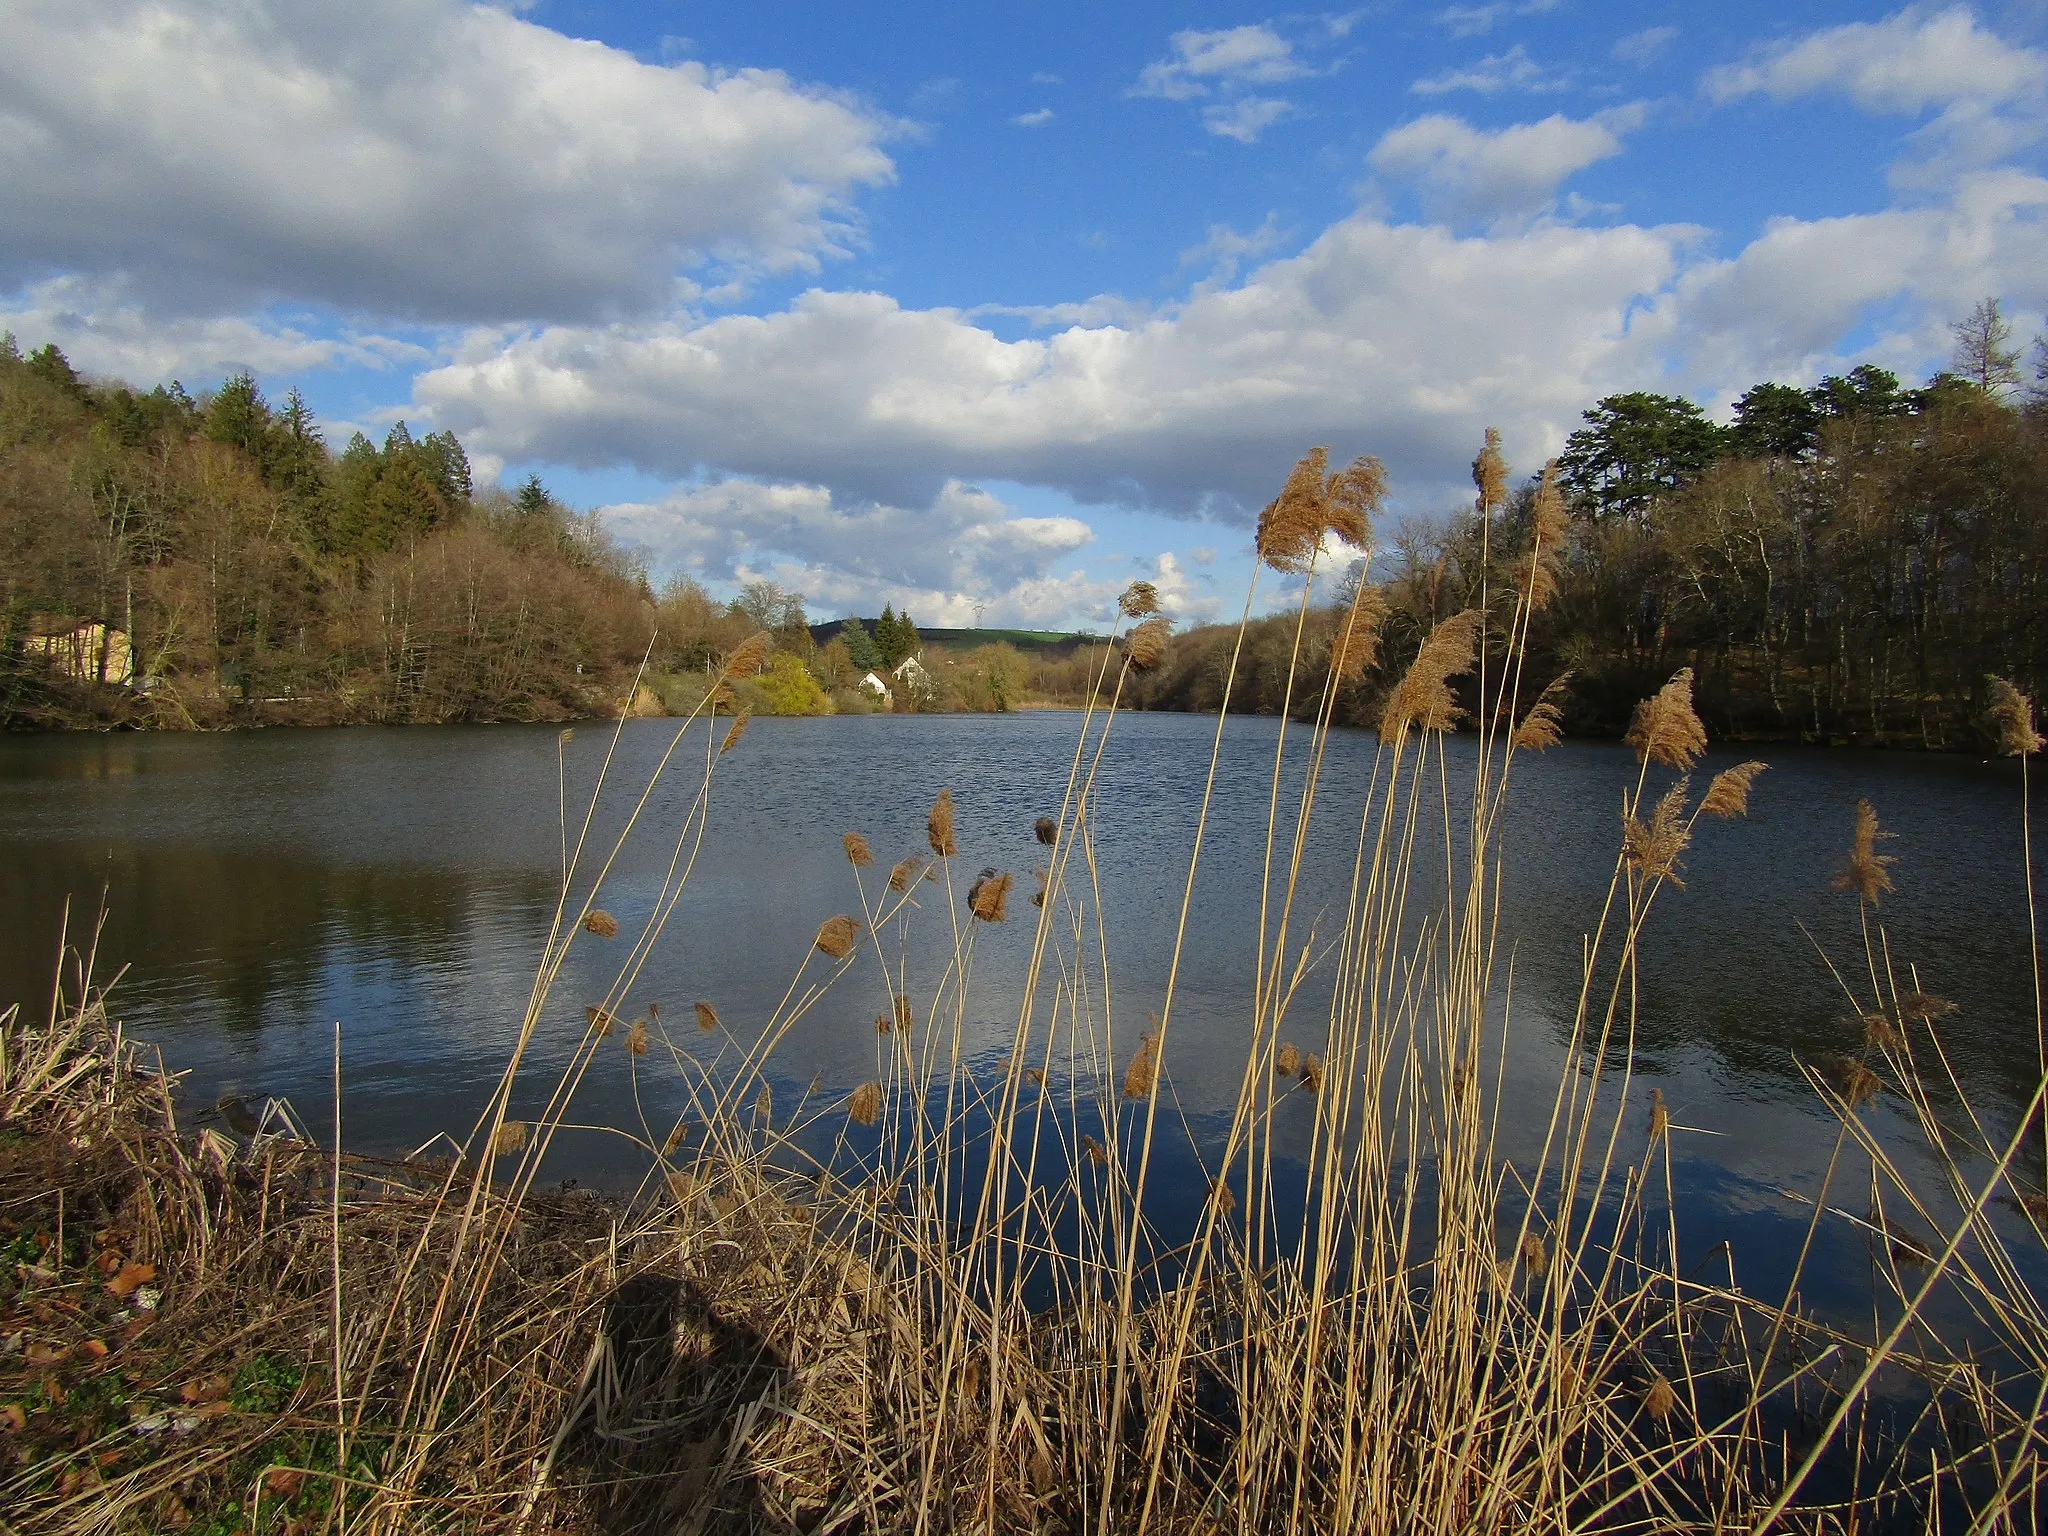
<point>943,1298</point>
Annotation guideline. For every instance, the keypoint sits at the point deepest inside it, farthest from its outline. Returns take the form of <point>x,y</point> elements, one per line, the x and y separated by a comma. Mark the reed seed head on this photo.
<point>600,1019</point>
<point>749,655</point>
<point>1660,1117</point>
<point>1535,1257</point>
<point>1035,1076</point>
<point>1291,526</point>
<point>1924,1007</point>
<point>989,900</point>
<point>858,853</point>
<point>1422,698</point>
<point>1356,644</point>
<point>1880,1032</point>
<point>1046,830</point>
<point>2012,718</point>
<point>882,1024</point>
<point>1312,1073</point>
<point>509,1137</point>
<point>1659,1398</point>
<point>1094,1150</point>
<point>734,733</point>
<point>764,1103</point>
<point>1351,499</point>
<point>1143,1071</point>
<point>1728,795</point>
<point>836,935</point>
<point>1541,729</point>
<point>938,827</point>
<point>566,735</point>
<point>1288,1062</point>
<point>904,871</point>
<point>1866,871</point>
<point>1666,729</point>
<point>636,1037</point>
<point>1219,1192</point>
<point>1139,599</point>
<point>1145,646</point>
<point>864,1104</point>
<point>1858,1083</point>
<point>677,1136</point>
<point>682,1186</point>
<point>1490,473</point>
<point>707,1017</point>
<point>1652,848</point>
<point>601,923</point>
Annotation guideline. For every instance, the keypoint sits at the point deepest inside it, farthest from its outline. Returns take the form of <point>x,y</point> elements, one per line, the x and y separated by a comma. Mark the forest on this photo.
<point>1845,563</point>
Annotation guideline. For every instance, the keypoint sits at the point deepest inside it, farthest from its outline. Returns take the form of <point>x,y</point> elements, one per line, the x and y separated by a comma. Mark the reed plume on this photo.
<point>1423,696</point>
<point>903,871</point>
<point>707,1017</point>
<point>1924,1007</point>
<point>1035,1076</point>
<point>1351,499</point>
<point>1535,1256</point>
<point>636,1037</point>
<point>836,935</point>
<point>1138,599</point>
<point>734,733</point>
<point>1219,1192</point>
<point>1660,1117</point>
<point>938,827</point>
<point>882,1023</point>
<point>1291,526</point>
<point>1659,1398</point>
<point>749,655</point>
<point>1095,1151</point>
<point>1866,871</point>
<point>1728,795</point>
<point>508,1138</point>
<point>1536,570</point>
<point>1858,1083</point>
<point>858,853</point>
<point>677,1137</point>
<point>1046,830</point>
<point>989,900</point>
<point>682,1186</point>
<point>1665,728</point>
<point>601,923</point>
<point>1355,645</point>
<point>904,1016</point>
<point>599,1019</point>
<point>1652,848</point>
<point>1043,878</point>
<point>1288,1062</point>
<point>1490,474</point>
<point>1880,1032</point>
<point>1145,646</point>
<point>1312,1073</point>
<point>1541,729</point>
<point>764,1103</point>
<point>864,1104</point>
<point>1143,1071</point>
<point>2012,719</point>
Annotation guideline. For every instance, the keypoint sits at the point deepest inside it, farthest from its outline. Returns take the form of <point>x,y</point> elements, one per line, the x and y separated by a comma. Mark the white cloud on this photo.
<point>408,157</point>
<point>1199,61</point>
<point>1510,71</point>
<point>1644,48</point>
<point>1036,119</point>
<point>1907,62</point>
<point>1224,251</point>
<point>1245,118</point>
<point>1043,77</point>
<point>1464,172</point>
<point>1476,20</point>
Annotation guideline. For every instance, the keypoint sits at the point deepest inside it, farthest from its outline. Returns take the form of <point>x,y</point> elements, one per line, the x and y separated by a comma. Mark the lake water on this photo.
<point>261,886</point>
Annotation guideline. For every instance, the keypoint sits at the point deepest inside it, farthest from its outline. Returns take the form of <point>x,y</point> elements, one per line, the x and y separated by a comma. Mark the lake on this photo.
<point>261,886</point>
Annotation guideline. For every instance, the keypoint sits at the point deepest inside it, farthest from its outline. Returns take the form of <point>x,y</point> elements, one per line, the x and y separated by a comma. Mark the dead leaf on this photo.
<point>205,1389</point>
<point>284,1481</point>
<point>173,1513</point>
<point>108,1261</point>
<point>43,1353</point>
<point>96,1348</point>
<point>131,1275</point>
<point>12,1414</point>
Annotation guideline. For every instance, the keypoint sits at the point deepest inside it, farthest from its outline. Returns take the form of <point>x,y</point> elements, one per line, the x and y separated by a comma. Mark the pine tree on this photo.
<point>887,642</point>
<point>860,646</point>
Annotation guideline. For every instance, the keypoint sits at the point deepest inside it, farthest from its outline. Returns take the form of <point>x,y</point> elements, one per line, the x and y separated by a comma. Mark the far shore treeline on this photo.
<point>1841,563</point>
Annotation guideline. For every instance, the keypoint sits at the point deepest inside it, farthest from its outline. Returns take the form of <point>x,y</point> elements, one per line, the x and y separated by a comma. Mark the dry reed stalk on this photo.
<point>2012,718</point>
<point>509,1137</point>
<point>601,923</point>
<point>836,935</point>
<point>903,871</point>
<point>707,1016</point>
<point>636,1037</point>
<point>599,1019</point>
<point>1146,644</point>
<point>1665,728</point>
<point>749,655</point>
<point>858,854</point>
<point>1866,871</point>
<point>1046,830</point>
<point>989,900</point>
<point>734,733</point>
<point>1422,699</point>
<point>1652,848</point>
<point>864,1104</point>
<point>1728,795</point>
<point>1143,1072</point>
<point>938,829</point>
<point>1138,599</point>
<point>1355,645</point>
<point>1288,1061</point>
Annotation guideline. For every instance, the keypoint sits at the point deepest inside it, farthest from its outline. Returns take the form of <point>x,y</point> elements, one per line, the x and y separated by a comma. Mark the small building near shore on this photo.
<point>88,652</point>
<point>872,684</point>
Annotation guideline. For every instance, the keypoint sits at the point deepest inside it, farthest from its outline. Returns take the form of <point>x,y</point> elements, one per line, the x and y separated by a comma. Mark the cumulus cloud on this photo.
<point>1642,49</point>
<point>1475,20</point>
<point>1510,71</point>
<point>1465,172</point>
<point>1036,119</point>
<point>424,158</point>
<point>1245,118</point>
<point>1907,62</point>
<point>1198,62</point>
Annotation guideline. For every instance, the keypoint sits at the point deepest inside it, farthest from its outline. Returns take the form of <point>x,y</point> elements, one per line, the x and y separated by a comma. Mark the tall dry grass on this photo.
<point>943,1299</point>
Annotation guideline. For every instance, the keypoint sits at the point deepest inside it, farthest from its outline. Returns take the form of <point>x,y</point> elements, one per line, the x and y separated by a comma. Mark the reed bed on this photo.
<point>942,1299</point>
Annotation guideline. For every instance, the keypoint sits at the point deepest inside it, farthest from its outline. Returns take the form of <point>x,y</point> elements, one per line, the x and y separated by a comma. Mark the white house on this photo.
<point>916,682</point>
<point>872,685</point>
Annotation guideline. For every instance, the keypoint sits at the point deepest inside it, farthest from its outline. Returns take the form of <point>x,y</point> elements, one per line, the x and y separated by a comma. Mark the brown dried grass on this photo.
<point>2012,719</point>
<point>938,827</point>
<point>1142,1075</point>
<point>1145,646</point>
<point>1728,795</point>
<point>707,1016</point>
<point>989,900</point>
<point>836,936</point>
<point>864,1104</point>
<point>1665,728</point>
<point>858,854</point>
<point>1422,700</point>
<point>1866,871</point>
<point>1138,599</point>
<point>1652,848</point>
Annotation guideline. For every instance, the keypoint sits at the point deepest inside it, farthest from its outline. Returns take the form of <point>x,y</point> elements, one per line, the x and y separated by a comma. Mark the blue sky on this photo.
<point>986,310</point>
